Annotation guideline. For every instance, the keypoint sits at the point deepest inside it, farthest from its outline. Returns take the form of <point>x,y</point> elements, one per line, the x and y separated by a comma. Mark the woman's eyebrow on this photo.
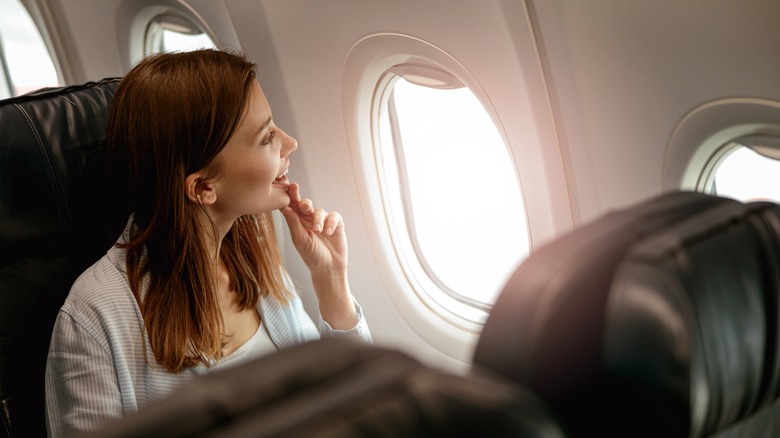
<point>264,125</point>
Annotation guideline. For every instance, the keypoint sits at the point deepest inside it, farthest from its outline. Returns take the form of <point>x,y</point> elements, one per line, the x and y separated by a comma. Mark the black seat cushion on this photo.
<point>58,215</point>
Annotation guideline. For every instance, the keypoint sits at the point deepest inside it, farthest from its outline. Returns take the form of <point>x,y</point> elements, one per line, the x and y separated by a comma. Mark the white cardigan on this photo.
<point>96,369</point>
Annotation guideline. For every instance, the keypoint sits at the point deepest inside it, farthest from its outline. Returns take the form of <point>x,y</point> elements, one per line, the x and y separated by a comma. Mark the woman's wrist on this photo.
<point>335,300</point>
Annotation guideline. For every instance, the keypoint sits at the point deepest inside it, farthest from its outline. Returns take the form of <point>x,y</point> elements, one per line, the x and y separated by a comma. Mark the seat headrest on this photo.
<point>656,320</point>
<point>692,317</point>
<point>50,154</point>
<point>338,387</point>
<point>546,325</point>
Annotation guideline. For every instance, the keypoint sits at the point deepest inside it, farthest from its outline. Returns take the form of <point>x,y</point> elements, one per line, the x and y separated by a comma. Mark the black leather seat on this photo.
<point>58,215</point>
<point>657,320</point>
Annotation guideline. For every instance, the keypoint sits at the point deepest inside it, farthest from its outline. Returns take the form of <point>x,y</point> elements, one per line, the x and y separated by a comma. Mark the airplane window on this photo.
<point>173,33</point>
<point>25,62</point>
<point>745,171</point>
<point>452,195</point>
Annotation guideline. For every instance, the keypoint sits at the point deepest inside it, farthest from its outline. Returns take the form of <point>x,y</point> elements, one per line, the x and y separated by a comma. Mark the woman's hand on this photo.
<point>319,237</point>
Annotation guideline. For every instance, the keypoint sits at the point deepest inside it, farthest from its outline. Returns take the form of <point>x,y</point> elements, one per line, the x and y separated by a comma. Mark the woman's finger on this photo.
<point>306,206</point>
<point>294,191</point>
<point>293,221</point>
<point>318,219</point>
<point>332,221</point>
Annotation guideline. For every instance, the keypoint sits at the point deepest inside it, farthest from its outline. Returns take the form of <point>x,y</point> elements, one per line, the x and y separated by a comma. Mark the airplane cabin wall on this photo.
<point>624,74</point>
<point>587,95</point>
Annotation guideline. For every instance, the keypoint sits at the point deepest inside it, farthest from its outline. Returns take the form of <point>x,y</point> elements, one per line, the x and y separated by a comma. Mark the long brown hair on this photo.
<point>172,114</point>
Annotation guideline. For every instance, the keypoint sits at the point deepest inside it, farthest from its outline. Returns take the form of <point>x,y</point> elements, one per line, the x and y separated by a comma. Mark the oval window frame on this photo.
<point>135,16</point>
<point>153,34</point>
<point>702,137</point>
<point>428,281</point>
<point>367,62</point>
<point>9,86</point>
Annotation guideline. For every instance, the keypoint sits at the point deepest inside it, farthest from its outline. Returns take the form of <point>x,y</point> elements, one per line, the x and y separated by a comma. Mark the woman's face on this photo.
<point>254,164</point>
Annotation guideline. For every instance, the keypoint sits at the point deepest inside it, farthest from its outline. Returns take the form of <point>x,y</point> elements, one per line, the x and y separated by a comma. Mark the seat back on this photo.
<point>559,328</point>
<point>57,216</point>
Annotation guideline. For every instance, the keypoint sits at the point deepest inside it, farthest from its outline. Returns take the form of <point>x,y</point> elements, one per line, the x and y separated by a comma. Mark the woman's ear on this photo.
<point>198,190</point>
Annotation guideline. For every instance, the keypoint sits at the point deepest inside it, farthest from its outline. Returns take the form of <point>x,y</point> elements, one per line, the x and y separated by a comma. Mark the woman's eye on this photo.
<point>270,138</point>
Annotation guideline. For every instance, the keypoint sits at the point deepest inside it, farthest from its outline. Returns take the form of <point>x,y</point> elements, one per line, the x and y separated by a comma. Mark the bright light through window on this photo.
<point>179,42</point>
<point>464,208</point>
<point>173,33</point>
<point>26,59</point>
<point>748,176</point>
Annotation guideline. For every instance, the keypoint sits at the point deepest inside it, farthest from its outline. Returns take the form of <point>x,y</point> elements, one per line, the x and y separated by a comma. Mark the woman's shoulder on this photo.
<point>102,286</point>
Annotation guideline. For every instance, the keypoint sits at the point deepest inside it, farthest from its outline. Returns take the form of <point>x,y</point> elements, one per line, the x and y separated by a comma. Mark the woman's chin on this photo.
<point>284,202</point>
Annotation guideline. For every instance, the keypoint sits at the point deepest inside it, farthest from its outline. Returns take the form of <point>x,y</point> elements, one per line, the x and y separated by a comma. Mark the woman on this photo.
<point>195,282</point>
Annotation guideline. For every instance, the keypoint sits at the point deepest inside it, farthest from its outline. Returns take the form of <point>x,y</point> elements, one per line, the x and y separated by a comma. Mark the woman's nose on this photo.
<point>289,143</point>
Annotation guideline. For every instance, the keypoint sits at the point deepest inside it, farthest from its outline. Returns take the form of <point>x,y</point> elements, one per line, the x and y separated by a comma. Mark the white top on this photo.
<point>258,345</point>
